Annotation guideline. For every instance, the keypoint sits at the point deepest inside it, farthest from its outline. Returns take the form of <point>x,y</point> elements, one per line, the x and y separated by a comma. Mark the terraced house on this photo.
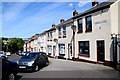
<point>92,36</point>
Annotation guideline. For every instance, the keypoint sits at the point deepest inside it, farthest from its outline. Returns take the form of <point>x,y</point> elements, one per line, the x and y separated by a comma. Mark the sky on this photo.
<point>24,19</point>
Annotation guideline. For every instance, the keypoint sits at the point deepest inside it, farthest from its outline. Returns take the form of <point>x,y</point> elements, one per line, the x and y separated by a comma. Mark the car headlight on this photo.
<point>30,63</point>
<point>17,62</point>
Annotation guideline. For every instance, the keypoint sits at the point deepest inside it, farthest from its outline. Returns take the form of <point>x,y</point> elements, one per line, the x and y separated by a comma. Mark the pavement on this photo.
<point>59,68</point>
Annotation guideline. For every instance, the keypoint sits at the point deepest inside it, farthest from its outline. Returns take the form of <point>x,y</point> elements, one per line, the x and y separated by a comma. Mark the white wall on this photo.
<point>101,31</point>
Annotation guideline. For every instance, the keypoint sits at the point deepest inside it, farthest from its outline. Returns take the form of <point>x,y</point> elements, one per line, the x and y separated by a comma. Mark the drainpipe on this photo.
<point>114,50</point>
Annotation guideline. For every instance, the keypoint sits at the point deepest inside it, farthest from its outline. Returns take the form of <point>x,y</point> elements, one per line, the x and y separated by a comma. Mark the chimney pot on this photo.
<point>75,13</point>
<point>53,25</point>
<point>95,3</point>
<point>62,20</point>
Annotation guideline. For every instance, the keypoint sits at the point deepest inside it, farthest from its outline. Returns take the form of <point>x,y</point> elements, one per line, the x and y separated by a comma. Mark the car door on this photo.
<point>40,60</point>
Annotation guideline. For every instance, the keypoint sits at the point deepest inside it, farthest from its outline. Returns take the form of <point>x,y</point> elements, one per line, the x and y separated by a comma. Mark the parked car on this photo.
<point>33,61</point>
<point>8,53</point>
<point>9,69</point>
<point>3,54</point>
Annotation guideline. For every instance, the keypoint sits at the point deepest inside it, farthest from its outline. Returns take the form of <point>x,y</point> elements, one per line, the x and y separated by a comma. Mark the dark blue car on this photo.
<point>9,69</point>
<point>33,61</point>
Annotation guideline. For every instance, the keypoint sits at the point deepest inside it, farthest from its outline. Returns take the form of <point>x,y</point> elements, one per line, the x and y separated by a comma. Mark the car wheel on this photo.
<point>11,76</point>
<point>36,68</point>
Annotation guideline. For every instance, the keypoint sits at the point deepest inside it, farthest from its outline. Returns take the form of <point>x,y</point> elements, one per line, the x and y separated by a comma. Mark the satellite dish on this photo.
<point>73,27</point>
<point>55,40</point>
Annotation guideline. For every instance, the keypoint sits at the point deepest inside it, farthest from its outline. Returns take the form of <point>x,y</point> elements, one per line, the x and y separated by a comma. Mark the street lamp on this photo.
<point>115,43</point>
<point>56,41</point>
<point>73,27</point>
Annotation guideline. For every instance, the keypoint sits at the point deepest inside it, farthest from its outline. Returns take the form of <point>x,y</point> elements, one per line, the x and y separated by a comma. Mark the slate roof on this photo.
<point>95,8</point>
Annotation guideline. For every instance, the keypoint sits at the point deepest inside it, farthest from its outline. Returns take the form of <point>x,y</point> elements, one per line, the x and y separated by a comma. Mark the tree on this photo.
<point>15,45</point>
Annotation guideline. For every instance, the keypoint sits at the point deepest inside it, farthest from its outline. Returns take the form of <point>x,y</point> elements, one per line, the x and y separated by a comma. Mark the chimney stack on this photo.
<point>53,25</point>
<point>62,20</point>
<point>75,13</point>
<point>94,3</point>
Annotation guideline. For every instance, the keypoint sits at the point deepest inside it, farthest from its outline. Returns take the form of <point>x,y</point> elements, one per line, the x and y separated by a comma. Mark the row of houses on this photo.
<point>91,36</point>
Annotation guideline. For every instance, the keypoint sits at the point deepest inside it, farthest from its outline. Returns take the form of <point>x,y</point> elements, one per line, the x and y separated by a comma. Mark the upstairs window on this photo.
<point>64,31</point>
<point>50,36</point>
<point>88,24</point>
<point>80,26</point>
<point>59,32</point>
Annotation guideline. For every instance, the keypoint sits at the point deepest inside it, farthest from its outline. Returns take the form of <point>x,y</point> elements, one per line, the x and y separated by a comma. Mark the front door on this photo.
<point>100,51</point>
<point>54,51</point>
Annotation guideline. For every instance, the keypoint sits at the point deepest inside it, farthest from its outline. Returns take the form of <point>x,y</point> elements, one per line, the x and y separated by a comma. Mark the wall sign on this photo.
<point>101,21</point>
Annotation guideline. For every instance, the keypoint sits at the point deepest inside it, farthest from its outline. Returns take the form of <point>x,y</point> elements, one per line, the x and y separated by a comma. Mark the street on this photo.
<point>59,68</point>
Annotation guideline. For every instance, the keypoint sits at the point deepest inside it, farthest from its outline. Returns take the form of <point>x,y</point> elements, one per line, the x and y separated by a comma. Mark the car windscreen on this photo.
<point>30,55</point>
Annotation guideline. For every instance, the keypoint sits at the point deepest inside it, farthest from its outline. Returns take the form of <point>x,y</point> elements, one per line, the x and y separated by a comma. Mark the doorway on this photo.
<point>70,55</point>
<point>100,51</point>
<point>54,51</point>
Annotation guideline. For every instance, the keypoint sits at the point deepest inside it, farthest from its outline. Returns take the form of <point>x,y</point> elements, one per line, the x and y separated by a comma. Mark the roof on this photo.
<point>95,8</point>
<point>53,28</point>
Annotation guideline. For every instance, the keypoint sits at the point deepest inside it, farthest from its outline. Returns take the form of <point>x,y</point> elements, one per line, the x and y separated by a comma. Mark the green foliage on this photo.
<point>15,44</point>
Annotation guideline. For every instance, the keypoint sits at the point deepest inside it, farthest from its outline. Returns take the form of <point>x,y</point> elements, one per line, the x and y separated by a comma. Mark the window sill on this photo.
<point>59,37</point>
<point>88,31</point>
<point>84,55</point>
<point>80,32</point>
<point>64,36</point>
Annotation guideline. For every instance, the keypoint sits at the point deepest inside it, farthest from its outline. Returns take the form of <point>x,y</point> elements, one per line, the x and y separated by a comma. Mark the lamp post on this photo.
<point>73,27</point>
<point>56,41</point>
<point>115,43</point>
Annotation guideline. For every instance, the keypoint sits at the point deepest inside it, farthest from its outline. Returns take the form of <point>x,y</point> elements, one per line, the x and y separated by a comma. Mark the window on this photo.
<point>59,32</point>
<point>64,31</point>
<point>80,27</point>
<point>62,49</point>
<point>50,36</point>
<point>49,49</point>
<point>88,24</point>
<point>84,48</point>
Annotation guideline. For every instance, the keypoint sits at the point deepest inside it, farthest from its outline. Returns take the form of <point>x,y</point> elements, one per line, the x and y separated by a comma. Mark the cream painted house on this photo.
<point>42,42</point>
<point>93,40</point>
<point>51,45</point>
<point>64,36</point>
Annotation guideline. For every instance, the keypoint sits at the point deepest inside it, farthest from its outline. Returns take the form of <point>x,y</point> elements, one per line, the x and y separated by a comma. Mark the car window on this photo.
<point>30,55</point>
<point>5,61</point>
<point>1,52</point>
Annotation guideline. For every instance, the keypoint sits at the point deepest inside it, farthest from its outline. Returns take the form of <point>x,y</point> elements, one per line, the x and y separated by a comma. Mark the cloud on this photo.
<point>82,3</point>
<point>14,11</point>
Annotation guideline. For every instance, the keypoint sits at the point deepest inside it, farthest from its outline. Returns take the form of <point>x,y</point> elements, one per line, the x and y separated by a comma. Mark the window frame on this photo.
<point>64,30</point>
<point>61,46</point>
<point>80,30</point>
<point>88,23</point>
<point>59,32</point>
<point>84,47</point>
